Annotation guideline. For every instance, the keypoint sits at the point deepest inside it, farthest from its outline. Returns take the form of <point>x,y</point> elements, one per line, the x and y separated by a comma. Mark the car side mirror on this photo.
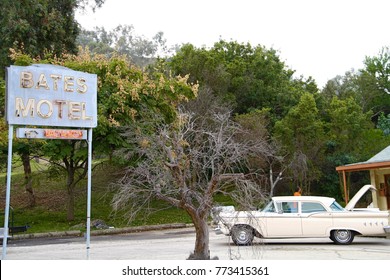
<point>280,211</point>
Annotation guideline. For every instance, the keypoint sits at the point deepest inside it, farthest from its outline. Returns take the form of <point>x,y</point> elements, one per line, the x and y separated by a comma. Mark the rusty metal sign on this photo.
<point>37,133</point>
<point>50,95</point>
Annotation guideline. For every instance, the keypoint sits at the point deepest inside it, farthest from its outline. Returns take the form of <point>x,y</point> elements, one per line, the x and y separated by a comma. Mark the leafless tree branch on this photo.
<point>185,164</point>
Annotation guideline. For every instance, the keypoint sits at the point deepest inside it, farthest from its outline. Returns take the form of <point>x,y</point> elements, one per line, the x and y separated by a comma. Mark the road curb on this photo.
<point>97,232</point>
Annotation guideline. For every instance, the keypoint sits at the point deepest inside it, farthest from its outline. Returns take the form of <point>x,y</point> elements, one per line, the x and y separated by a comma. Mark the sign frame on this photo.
<point>78,93</point>
<point>38,133</point>
<point>51,95</point>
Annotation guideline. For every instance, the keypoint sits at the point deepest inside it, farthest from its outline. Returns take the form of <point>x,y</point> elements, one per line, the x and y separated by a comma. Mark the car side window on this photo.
<point>336,207</point>
<point>270,207</point>
<point>290,207</point>
<point>310,207</point>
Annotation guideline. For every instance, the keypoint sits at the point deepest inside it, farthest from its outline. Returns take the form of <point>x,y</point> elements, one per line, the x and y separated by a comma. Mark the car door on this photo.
<point>316,220</point>
<point>286,222</point>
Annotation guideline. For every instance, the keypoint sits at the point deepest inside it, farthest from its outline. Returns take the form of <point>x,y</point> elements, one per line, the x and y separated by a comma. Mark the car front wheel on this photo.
<point>342,236</point>
<point>242,235</point>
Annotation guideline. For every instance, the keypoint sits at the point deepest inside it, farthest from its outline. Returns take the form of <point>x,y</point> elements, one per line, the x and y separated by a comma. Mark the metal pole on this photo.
<point>8,191</point>
<point>89,190</point>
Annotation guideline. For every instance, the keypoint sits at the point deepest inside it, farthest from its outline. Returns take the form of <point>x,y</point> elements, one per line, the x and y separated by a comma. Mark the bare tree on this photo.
<point>269,163</point>
<point>185,164</point>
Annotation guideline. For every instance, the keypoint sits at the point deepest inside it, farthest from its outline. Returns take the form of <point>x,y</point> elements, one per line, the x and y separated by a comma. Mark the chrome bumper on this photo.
<point>218,230</point>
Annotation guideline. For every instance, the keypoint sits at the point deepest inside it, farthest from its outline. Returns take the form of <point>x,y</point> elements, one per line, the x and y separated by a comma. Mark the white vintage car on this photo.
<point>305,216</point>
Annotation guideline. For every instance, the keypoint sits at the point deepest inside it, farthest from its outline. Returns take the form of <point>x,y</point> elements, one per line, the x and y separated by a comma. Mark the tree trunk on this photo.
<point>202,250</point>
<point>71,196</point>
<point>28,179</point>
<point>73,179</point>
<point>70,210</point>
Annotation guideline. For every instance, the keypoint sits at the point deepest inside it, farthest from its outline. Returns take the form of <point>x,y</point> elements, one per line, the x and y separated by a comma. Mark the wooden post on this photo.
<point>346,197</point>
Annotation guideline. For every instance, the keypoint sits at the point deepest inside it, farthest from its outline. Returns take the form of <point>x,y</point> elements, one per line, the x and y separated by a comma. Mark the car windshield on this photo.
<point>270,207</point>
<point>336,207</point>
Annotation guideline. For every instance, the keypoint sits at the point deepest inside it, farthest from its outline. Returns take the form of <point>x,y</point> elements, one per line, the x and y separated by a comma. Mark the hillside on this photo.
<point>49,214</point>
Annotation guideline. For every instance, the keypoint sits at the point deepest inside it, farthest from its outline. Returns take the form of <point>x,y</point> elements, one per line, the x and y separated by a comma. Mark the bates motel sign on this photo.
<point>49,95</point>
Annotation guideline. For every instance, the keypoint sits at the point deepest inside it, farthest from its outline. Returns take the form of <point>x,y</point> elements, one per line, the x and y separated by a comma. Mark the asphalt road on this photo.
<point>176,244</point>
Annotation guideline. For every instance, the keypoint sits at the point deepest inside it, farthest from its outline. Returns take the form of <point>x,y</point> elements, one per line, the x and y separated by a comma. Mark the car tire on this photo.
<point>342,236</point>
<point>242,235</point>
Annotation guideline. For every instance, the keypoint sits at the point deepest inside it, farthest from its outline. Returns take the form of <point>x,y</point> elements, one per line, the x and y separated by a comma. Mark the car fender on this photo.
<point>355,230</point>
<point>255,231</point>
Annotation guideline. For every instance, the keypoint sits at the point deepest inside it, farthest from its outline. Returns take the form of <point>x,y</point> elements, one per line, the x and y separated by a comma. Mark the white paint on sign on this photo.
<point>50,95</point>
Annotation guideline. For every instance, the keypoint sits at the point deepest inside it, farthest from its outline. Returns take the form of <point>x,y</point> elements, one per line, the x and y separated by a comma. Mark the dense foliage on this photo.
<point>312,130</point>
<point>249,77</point>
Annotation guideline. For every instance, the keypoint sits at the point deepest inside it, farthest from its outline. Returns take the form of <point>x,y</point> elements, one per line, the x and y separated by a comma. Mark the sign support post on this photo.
<point>89,191</point>
<point>42,95</point>
<point>8,191</point>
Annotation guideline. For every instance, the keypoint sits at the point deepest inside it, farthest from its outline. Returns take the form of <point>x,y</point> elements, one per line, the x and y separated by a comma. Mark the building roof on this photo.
<point>380,160</point>
<point>382,156</point>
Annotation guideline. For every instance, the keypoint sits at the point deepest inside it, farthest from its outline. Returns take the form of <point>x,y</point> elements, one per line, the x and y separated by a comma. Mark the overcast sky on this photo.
<point>318,38</point>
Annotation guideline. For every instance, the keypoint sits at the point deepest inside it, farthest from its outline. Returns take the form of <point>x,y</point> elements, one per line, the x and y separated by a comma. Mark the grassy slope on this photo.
<point>50,212</point>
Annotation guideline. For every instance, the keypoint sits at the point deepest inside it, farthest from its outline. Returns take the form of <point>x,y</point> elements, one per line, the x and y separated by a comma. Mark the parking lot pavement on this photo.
<point>177,244</point>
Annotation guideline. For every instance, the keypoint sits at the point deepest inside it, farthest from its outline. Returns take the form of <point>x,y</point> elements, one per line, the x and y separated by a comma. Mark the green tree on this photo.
<point>375,80</point>
<point>3,144</point>
<point>351,137</point>
<point>347,122</point>
<point>384,123</point>
<point>379,67</point>
<point>341,87</point>
<point>249,77</point>
<point>123,40</point>
<point>368,86</point>
<point>301,132</point>
<point>39,26</point>
<point>2,97</point>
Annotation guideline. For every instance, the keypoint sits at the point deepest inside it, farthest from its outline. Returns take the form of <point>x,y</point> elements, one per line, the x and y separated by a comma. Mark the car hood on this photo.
<point>351,204</point>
